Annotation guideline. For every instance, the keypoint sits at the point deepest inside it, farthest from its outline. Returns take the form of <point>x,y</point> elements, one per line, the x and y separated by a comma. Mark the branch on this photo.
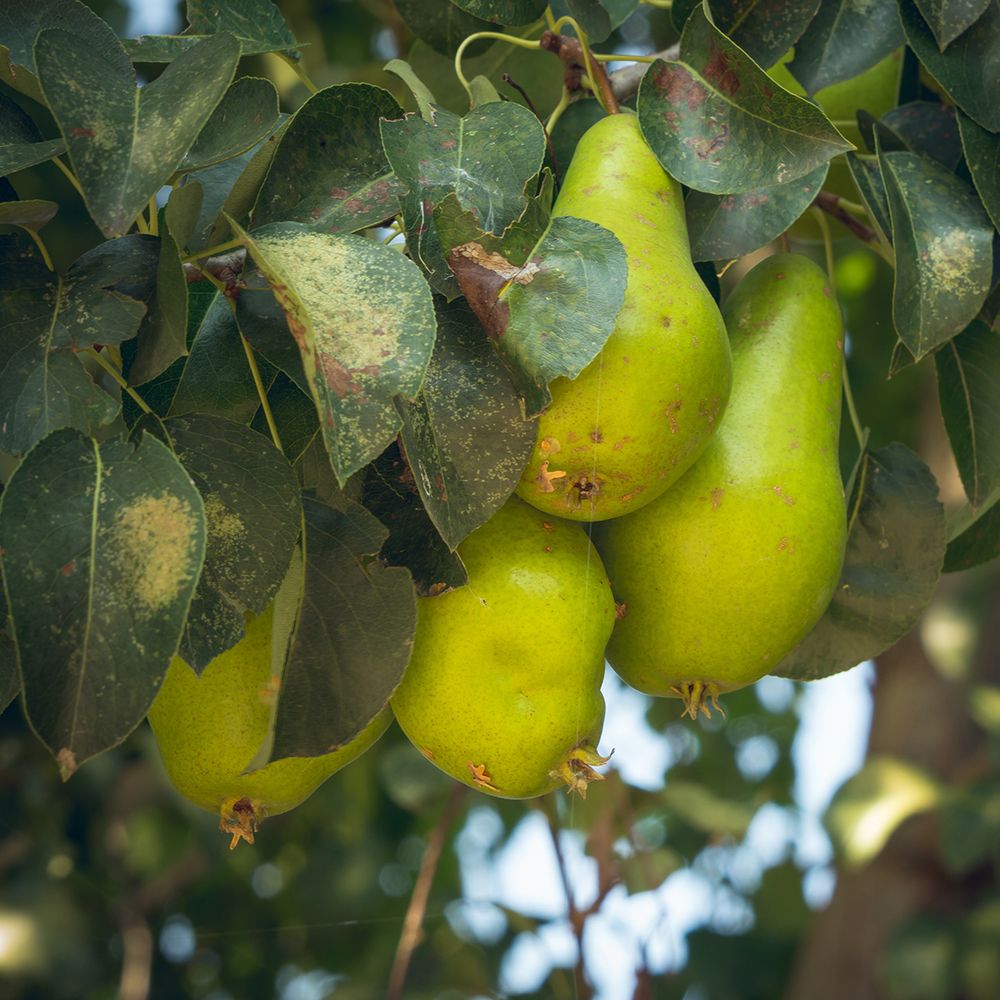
<point>830,203</point>
<point>409,938</point>
<point>570,51</point>
<point>226,268</point>
<point>625,81</point>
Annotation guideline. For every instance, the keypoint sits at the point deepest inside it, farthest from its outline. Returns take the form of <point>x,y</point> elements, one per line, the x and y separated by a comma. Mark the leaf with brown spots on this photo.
<point>360,316</point>
<point>895,547</point>
<point>102,548</point>
<point>764,29</point>
<point>329,171</point>
<point>943,242</point>
<point>718,123</point>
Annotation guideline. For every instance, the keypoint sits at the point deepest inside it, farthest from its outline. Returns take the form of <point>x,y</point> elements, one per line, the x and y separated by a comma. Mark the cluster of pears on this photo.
<point>710,461</point>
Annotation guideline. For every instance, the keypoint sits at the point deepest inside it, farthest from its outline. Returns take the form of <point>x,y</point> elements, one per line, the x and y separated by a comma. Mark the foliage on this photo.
<point>236,361</point>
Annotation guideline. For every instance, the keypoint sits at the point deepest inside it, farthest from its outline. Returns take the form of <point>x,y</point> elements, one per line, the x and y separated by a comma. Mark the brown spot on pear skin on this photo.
<point>621,610</point>
<point>709,409</point>
<point>716,497</point>
<point>786,544</point>
<point>549,446</point>
<point>548,526</point>
<point>596,436</point>
<point>627,497</point>
<point>785,498</point>
<point>671,414</point>
<point>544,478</point>
<point>427,752</point>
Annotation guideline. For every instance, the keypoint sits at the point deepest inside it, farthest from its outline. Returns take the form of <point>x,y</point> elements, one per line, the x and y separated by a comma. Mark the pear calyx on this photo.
<point>240,818</point>
<point>697,696</point>
<point>577,770</point>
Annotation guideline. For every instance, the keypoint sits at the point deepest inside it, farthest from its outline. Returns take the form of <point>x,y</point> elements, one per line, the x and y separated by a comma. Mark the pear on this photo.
<point>615,437</point>
<point>502,690</point>
<point>210,727</point>
<point>723,575</point>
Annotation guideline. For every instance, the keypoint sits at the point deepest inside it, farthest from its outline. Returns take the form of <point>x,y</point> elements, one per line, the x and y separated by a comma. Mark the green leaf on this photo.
<point>10,679</point>
<point>503,11</point>
<point>217,379</point>
<point>102,299</point>
<point>390,493</point>
<point>362,319</point>
<point>124,142</point>
<point>895,548</point>
<point>970,823</point>
<point>41,389</point>
<point>352,639</point>
<point>943,242</point>
<point>947,19</point>
<point>20,24</point>
<point>329,171</point>
<point>256,24</point>
<point>722,227</point>
<point>551,315</point>
<point>868,179</point>
<point>485,158</point>
<point>846,38</point>
<point>31,214</point>
<point>973,535</point>
<point>718,123</point>
<point>701,808</point>
<point>245,115</point>
<point>968,370</point>
<point>970,70</point>
<point>294,415</point>
<point>182,211</point>
<point>253,517</point>
<point>598,18</point>
<point>925,127</point>
<point>21,144</point>
<point>102,548</point>
<point>443,26</point>
<point>163,334</point>
<point>426,102</point>
<point>871,805</point>
<point>982,154</point>
<point>764,29</point>
<point>465,439</point>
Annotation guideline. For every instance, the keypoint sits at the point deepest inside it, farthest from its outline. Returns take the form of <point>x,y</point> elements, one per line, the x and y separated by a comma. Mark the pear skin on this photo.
<point>503,687</point>
<point>209,728</point>
<point>615,437</point>
<point>723,575</point>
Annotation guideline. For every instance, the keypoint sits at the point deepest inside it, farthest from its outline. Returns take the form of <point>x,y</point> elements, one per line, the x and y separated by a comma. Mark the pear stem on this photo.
<point>409,937</point>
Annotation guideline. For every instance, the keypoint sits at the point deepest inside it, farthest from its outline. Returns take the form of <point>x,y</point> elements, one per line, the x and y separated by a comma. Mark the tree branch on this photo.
<point>830,203</point>
<point>625,81</point>
<point>570,51</point>
<point>410,936</point>
<point>226,268</point>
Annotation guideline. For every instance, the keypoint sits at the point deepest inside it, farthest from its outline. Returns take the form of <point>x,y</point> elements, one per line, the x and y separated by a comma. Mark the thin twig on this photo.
<point>625,81</point>
<point>570,51</point>
<point>225,268</point>
<point>410,935</point>
<point>830,203</point>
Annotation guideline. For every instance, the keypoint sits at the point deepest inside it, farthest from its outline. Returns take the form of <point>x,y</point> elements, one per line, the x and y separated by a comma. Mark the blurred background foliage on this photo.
<point>699,869</point>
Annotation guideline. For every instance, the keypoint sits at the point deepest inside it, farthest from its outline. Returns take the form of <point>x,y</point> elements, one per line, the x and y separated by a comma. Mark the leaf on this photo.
<point>102,300</point>
<point>217,379</point>
<point>329,171</point>
<point>21,144</point>
<point>722,227</point>
<point>764,29</point>
<point>871,805</point>
<point>443,26</point>
<point>868,179</point>
<point>10,679</point>
<point>20,24</point>
<point>124,142</point>
<point>895,547</point>
<point>41,389</point>
<point>970,70</point>
<point>390,493</point>
<point>968,371</point>
<point>352,639</point>
<point>846,38</point>
<point>253,517</point>
<point>485,158</point>
<point>982,154</point>
<point>550,316</point>
<point>31,214</point>
<point>294,415</point>
<point>704,810</point>
<point>182,211</point>
<point>943,242</point>
<point>256,24</point>
<point>973,535</point>
<point>718,123</point>
<point>362,319</point>
<point>421,94</point>
<point>163,335</point>
<point>465,439</point>
<point>947,19</point>
<point>102,548</point>
<point>503,11</point>
<point>598,18</point>
<point>927,128</point>
<point>245,115</point>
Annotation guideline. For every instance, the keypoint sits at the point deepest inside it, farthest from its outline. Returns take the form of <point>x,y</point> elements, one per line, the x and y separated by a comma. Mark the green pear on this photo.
<point>723,575</point>
<point>210,727</point>
<point>502,690</point>
<point>615,437</point>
